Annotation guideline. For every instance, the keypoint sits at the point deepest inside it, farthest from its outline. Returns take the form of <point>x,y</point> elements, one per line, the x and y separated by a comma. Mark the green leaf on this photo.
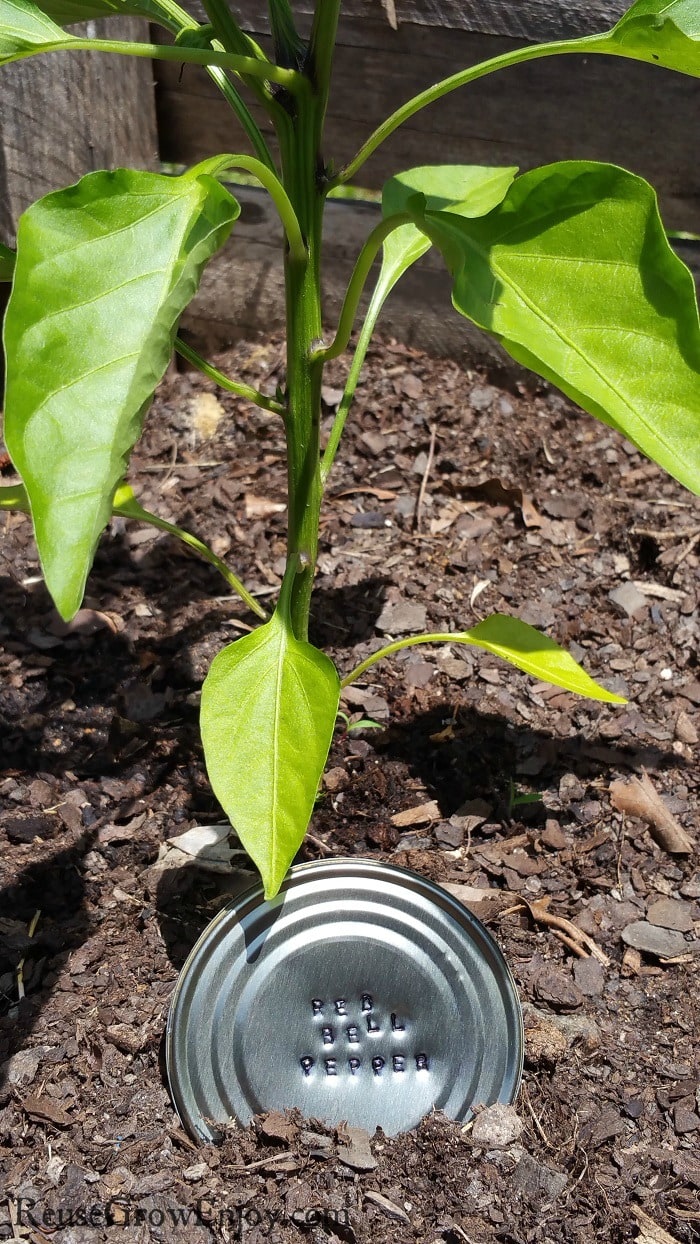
<point>662,32</point>
<point>25,21</point>
<point>516,642</point>
<point>24,28</point>
<point>104,270</point>
<point>528,649</point>
<point>575,277</point>
<point>7,263</point>
<point>469,190</point>
<point>269,704</point>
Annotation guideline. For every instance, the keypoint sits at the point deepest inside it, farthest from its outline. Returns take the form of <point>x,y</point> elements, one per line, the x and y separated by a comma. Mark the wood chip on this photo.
<point>387,1207</point>
<point>356,1153</point>
<point>649,1231</point>
<point>658,590</point>
<point>262,507</point>
<point>652,940</point>
<point>422,815</point>
<point>46,1110</point>
<point>639,798</point>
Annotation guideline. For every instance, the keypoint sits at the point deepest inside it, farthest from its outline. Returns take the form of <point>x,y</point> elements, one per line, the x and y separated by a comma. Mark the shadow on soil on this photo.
<point>478,756</point>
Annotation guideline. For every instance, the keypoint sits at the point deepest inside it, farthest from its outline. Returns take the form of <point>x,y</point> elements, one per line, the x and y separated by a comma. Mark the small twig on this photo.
<point>460,1231</point>
<point>318,843</point>
<point>252,1166</point>
<point>535,1118</point>
<point>20,966</point>
<point>14,1221</point>
<point>424,481</point>
<point>687,550</point>
<point>567,932</point>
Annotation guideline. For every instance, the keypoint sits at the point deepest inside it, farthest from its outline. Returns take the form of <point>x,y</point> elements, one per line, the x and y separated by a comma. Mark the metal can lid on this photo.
<point>362,992</point>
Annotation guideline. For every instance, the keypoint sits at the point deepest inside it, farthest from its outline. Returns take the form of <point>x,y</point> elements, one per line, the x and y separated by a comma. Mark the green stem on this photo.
<point>229,32</point>
<point>459,637</point>
<point>274,187</point>
<point>126,506</point>
<point>233,39</point>
<point>231,386</point>
<point>244,115</point>
<point>321,48</point>
<point>244,65</point>
<point>358,359</point>
<point>456,80</point>
<point>177,20</point>
<point>356,285</point>
<point>299,152</point>
<point>300,134</point>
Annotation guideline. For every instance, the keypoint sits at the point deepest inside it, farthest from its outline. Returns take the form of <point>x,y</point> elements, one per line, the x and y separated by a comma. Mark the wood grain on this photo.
<point>67,113</point>
<point>570,107</point>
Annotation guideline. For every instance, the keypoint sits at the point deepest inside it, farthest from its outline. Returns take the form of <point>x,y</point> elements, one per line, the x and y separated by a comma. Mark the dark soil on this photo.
<point>528,507</point>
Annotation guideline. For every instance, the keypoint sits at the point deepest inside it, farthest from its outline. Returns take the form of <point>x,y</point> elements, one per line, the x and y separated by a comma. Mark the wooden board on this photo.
<point>66,114</point>
<point>566,107</point>
<point>532,20</point>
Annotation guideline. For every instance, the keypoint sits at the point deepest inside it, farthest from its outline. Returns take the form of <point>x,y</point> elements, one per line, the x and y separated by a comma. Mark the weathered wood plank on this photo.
<point>66,114</point>
<point>569,107</point>
<point>533,20</point>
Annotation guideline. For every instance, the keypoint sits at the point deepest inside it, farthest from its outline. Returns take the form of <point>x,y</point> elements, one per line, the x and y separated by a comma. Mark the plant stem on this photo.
<point>300,133</point>
<point>321,49</point>
<point>228,31</point>
<point>353,376</point>
<point>463,78</point>
<point>353,294</point>
<point>231,386</point>
<point>248,123</point>
<point>233,39</point>
<point>126,505</point>
<point>303,305</point>
<point>244,65</point>
<point>459,637</point>
<point>177,20</point>
<point>219,164</point>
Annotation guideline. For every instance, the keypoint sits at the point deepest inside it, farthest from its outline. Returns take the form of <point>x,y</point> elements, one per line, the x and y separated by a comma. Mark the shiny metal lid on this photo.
<point>362,992</point>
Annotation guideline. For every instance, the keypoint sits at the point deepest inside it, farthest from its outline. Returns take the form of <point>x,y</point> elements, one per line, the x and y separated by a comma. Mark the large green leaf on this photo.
<point>468,189</point>
<point>7,263</point>
<point>574,275</point>
<point>528,649</point>
<point>662,32</point>
<point>269,705</point>
<point>104,270</point>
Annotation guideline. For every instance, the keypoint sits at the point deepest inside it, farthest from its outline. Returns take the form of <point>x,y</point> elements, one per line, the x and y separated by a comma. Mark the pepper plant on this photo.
<point>567,266</point>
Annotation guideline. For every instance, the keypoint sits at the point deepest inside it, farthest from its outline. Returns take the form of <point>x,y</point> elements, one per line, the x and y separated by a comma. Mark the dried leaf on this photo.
<point>497,493</point>
<point>639,798</point>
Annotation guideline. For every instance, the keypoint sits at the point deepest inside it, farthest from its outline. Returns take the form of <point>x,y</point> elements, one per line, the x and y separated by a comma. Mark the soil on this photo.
<point>455,495</point>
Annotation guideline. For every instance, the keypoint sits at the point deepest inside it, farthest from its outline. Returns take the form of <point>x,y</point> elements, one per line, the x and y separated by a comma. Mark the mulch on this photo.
<point>456,495</point>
